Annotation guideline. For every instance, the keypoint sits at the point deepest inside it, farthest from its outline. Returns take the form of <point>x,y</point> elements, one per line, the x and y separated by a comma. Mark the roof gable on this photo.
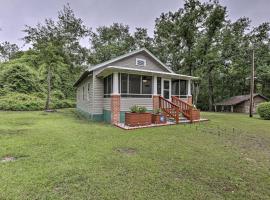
<point>129,59</point>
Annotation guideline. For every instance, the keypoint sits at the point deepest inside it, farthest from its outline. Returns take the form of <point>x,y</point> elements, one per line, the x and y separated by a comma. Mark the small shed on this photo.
<point>239,104</point>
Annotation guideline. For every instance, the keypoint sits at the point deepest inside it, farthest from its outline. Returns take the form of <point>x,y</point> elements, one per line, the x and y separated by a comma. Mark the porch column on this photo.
<point>155,95</point>
<point>189,96</point>
<point>115,83</point>
<point>231,108</point>
<point>115,100</point>
<point>155,85</point>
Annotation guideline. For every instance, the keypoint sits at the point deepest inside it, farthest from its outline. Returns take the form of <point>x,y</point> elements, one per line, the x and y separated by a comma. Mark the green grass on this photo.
<point>60,156</point>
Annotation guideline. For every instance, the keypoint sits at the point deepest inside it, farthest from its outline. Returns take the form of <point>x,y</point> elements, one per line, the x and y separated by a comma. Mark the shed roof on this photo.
<point>237,99</point>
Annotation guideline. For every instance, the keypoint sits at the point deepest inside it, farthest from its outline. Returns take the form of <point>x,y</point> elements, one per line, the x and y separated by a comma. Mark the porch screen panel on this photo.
<point>159,85</point>
<point>124,83</point>
<point>108,85</point>
<point>146,85</point>
<point>134,84</point>
<point>175,87</point>
<point>183,87</point>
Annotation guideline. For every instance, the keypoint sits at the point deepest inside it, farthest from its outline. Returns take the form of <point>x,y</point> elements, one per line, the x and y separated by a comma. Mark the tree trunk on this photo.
<point>195,93</point>
<point>210,91</point>
<point>48,100</point>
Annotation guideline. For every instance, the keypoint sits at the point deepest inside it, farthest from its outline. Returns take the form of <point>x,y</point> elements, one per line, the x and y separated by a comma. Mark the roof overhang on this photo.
<point>82,77</point>
<point>110,69</point>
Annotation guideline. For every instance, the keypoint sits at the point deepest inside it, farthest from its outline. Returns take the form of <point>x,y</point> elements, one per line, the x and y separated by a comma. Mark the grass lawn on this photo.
<point>60,156</point>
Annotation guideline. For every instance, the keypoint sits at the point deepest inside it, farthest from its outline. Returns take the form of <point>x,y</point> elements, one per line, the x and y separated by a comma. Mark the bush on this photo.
<point>264,110</point>
<point>27,102</point>
<point>21,102</point>
<point>157,111</point>
<point>19,78</point>
<point>138,109</point>
<point>65,103</point>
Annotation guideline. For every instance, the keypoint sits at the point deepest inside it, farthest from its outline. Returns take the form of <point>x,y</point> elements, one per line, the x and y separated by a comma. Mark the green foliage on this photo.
<point>30,102</point>
<point>8,51</point>
<point>264,110</point>
<point>19,78</point>
<point>21,102</point>
<point>157,111</point>
<point>197,39</point>
<point>138,109</point>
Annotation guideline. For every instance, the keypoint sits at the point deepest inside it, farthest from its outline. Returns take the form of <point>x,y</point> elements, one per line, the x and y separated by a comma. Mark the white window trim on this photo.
<point>140,59</point>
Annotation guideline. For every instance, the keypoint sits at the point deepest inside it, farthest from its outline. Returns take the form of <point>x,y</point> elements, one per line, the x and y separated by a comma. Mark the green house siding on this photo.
<point>122,116</point>
<point>90,116</point>
<point>107,116</point>
<point>97,117</point>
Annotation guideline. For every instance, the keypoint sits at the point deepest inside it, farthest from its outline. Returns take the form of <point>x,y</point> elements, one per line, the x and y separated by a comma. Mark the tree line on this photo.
<point>198,40</point>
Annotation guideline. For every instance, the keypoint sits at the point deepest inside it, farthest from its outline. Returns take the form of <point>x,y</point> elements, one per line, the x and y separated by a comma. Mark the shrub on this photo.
<point>264,110</point>
<point>138,109</point>
<point>27,102</point>
<point>21,102</point>
<point>157,111</point>
<point>19,78</point>
<point>65,103</point>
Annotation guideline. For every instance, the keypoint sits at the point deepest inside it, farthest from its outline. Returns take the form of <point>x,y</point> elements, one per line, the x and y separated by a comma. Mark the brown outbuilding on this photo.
<point>239,104</point>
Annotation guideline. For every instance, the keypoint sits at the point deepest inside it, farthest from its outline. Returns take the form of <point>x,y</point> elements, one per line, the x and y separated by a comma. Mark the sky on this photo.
<point>15,14</point>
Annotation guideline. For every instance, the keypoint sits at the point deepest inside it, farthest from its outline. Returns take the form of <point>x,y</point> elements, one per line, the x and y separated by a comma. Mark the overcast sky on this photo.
<point>14,14</point>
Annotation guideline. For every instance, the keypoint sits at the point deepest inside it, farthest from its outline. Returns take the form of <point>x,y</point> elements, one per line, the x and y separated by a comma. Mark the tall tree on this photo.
<point>62,36</point>
<point>209,45</point>
<point>110,42</point>
<point>7,51</point>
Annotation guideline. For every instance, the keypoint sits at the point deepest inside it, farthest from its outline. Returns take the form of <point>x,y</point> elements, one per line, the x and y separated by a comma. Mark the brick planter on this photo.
<point>138,119</point>
<point>158,119</point>
<point>195,114</point>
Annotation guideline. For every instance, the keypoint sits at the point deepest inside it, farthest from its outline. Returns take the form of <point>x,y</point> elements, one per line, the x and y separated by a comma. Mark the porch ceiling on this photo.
<point>108,70</point>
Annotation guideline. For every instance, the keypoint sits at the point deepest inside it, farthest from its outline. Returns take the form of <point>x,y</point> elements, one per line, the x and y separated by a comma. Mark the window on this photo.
<point>166,89</point>
<point>108,84</point>
<point>146,85</point>
<point>88,91</point>
<point>183,87</point>
<point>140,62</point>
<point>159,85</point>
<point>134,84</point>
<point>175,87</point>
<point>124,83</point>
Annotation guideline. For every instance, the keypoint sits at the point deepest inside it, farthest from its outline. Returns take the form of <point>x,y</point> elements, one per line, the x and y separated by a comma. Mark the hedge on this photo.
<point>30,102</point>
<point>264,110</point>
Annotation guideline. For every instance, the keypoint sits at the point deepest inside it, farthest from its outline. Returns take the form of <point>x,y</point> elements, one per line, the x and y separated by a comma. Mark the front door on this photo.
<point>166,89</point>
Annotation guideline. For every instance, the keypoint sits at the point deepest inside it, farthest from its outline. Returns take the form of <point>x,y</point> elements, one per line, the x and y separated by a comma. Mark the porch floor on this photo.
<point>182,121</point>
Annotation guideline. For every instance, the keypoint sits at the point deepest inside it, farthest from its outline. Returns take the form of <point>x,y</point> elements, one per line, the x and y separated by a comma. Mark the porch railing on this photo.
<point>184,107</point>
<point>169,108</point>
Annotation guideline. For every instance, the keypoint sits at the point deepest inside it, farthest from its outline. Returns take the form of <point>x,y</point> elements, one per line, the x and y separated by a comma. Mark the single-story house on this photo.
<point>108,90</point>
<point>240,104</point>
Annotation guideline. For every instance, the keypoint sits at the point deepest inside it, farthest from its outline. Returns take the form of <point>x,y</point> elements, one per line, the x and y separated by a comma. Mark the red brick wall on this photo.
<point>115,109</point>
<point>155,102</point>
<point>195,114</point>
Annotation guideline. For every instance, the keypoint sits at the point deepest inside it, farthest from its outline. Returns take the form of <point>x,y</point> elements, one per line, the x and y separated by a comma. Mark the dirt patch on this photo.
<point>8,159</point>
<point>126,151</point>
<point>13,158</point>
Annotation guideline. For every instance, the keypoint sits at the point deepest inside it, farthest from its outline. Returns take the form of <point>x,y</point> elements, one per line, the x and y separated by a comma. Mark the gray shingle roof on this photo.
<point>237,99</point>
